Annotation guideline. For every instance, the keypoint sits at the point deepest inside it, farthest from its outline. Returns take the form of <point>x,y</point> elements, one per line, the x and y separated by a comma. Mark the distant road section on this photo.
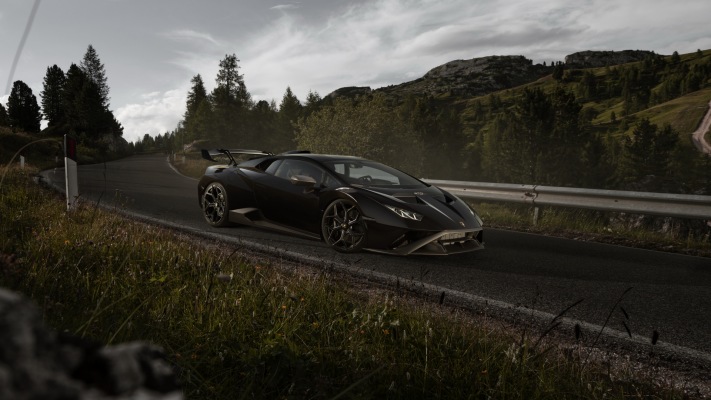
<point>698,135</point>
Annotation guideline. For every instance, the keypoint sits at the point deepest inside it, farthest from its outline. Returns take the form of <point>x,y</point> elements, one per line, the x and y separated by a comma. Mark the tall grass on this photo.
<point>235,326</point>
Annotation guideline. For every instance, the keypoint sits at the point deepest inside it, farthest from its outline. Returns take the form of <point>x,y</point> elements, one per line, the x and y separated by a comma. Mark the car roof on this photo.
<point>320,157</point>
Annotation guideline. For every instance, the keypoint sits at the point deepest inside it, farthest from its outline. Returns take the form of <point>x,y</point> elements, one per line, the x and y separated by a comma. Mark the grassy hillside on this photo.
<point>587,120</point>
<point>683,113</point>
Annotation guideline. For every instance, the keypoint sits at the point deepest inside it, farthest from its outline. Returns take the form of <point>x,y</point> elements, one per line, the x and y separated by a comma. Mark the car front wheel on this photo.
<point>215,205</point>
<point>342,226</point>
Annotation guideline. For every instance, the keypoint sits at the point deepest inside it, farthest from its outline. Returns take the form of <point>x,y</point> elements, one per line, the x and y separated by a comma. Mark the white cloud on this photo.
<point>157,114</point>
<point>284,7</point>
<point>193,37</point>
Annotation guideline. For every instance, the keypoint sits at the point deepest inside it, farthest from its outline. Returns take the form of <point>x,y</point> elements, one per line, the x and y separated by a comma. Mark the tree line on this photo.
<point>75,102</point>
<point>227,116</point>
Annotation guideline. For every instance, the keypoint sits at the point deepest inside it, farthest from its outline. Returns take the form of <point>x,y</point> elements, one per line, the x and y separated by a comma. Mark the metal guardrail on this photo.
<point>662,204</point>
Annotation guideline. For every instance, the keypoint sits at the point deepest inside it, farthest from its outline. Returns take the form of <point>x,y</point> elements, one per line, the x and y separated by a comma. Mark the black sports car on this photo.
<point>349,202</point>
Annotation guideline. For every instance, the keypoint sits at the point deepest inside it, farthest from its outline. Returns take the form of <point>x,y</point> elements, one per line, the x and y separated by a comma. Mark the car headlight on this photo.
<point>476,216</point>
<point>407,214</point>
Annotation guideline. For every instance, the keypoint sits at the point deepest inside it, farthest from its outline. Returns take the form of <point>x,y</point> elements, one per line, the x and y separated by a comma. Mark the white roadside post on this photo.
<point>70,171</point>
<point>22,162</point>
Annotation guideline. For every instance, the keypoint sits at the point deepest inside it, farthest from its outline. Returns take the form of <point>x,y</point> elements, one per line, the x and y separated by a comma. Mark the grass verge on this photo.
<point>236,327</point>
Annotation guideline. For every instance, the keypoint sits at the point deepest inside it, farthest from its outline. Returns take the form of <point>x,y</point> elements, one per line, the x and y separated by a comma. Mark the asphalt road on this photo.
<point>670,293</point>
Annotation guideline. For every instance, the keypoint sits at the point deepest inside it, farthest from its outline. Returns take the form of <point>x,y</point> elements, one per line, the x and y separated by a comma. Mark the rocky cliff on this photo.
<point>462,78</point>
<point>597,59</point>
<point>484,75</point>
<point>474,77</point>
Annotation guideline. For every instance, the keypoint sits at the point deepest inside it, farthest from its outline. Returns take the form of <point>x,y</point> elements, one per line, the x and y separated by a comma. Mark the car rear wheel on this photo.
<point>215,205</point>
<point>342,226</point>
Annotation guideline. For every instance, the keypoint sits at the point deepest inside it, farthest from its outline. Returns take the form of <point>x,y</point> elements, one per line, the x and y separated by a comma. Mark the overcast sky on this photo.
<point>152,48</point>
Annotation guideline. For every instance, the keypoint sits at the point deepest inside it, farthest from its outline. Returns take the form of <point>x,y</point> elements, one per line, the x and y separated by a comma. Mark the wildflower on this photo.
<point>315,324</point>
<point>386,331</point>
<point>283,306</point>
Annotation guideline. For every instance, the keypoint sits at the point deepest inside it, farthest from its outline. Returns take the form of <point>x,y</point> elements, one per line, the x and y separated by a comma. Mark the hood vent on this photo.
<point>408,198</point>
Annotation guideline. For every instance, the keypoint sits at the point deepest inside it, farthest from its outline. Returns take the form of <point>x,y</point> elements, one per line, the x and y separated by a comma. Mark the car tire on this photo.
<point>343,227</point>
<point>216,205</point>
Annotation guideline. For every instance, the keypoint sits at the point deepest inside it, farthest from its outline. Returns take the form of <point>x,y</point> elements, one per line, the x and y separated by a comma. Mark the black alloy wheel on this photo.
<point>342,226</point>
<point>215,205</point>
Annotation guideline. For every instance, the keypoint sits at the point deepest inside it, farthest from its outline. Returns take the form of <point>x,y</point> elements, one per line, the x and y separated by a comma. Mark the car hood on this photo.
<point>441,210</point>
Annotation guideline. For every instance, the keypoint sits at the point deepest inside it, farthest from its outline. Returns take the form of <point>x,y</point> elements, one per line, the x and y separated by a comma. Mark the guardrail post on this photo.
<point>535,216</point>
<point>70,171</point>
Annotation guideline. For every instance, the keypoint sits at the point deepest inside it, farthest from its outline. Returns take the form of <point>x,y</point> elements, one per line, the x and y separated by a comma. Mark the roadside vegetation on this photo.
<point>237,326</point>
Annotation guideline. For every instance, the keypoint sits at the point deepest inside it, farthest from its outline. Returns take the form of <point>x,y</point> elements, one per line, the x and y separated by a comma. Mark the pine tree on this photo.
<point>313,103</point>
<point>52,104</point>
<point>22,109</point>
<point>266,118</point>
<point>230,104</point>
<point>290,110</point>
<point>197,100</point>
<point>649,152</point>
<point>94,70</point>
<point>558,71</point>
<point>4,119</point>
<point>71,95</point>
<point>85,114</point>
<point>197,95</point>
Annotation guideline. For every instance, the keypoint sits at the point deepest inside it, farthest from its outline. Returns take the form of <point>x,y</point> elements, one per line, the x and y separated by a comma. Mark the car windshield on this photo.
<point>371,173</point>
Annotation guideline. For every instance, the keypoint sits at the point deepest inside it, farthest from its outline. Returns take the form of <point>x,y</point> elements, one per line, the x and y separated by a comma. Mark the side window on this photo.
<point>289,168</point>
<point>271,169</point>
<point>331,182</point>
<point>282,170</point>
<point>340,168</point>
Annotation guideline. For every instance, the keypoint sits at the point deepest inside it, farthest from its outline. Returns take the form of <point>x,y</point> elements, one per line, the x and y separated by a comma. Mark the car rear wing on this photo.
<point>230,153</point>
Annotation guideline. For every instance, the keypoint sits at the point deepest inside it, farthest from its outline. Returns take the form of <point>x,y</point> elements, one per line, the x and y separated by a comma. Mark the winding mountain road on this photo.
<point>698,137</point>
<point>517,273</point>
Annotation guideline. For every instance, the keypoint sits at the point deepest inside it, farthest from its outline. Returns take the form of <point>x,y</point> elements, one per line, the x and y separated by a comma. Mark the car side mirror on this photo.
<point>303,180</point>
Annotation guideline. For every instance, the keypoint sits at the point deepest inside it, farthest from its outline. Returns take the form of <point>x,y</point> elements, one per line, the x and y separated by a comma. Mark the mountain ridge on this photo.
<point>483,75</point>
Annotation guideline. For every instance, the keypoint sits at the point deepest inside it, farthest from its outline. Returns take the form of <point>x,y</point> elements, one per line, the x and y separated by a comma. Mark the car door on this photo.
<point>286,203</point>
